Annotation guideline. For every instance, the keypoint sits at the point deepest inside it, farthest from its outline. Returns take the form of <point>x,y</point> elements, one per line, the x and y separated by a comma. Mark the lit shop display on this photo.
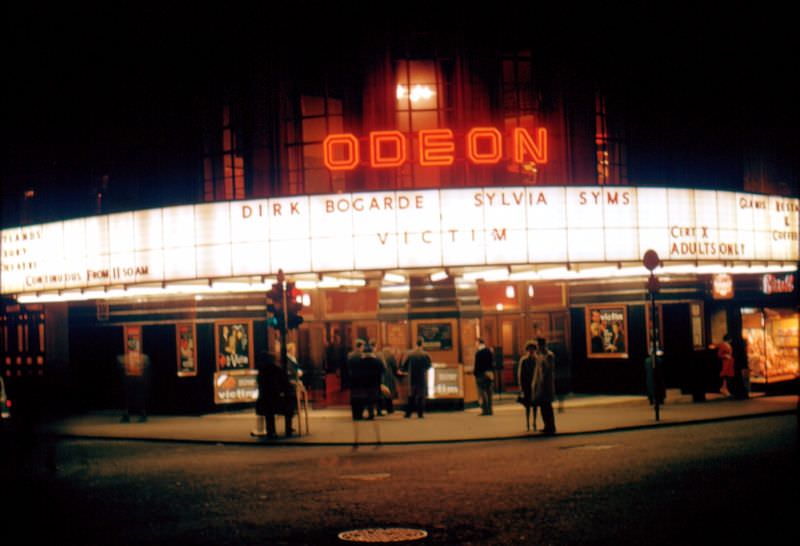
<point>772,343</point>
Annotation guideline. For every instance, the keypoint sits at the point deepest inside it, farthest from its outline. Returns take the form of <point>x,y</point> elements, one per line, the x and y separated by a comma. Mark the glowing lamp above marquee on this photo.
<point>435,148</point>
<point>426,229</point>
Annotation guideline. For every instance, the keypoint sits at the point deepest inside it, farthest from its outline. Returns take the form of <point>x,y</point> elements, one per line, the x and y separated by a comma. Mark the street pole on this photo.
<point>652,286</point>
<point>284,359</point>
<point>651,261</point>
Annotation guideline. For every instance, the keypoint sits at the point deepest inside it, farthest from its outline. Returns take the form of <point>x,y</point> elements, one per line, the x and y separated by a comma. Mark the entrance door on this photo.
<point>678,344</point>
<point>509,341</point>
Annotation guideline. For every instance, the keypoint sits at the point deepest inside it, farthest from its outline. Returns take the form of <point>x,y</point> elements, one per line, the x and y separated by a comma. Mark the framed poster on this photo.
<point>187,355</point>
<point>233,344</point>
<point>235,386</point>
<point>606,331</point>
<point>436,336</point>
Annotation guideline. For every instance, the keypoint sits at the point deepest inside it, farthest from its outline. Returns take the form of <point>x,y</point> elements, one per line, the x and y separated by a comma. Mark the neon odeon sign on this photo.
<point>434,148</point>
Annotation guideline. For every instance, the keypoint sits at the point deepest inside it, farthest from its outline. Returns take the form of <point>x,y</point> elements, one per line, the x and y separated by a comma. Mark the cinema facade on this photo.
<point>436,191</point>
<point>448,265</point>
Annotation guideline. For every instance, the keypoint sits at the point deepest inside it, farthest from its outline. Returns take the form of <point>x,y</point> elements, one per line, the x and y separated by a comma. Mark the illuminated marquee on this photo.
<point>435,148</point>
<point>399,230</point>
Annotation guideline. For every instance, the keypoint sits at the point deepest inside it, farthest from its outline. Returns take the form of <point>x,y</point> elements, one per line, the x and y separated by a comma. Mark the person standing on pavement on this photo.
<point>416,364</point>
<point>275,396</point>
<point>365,377</point>
<point>525,370</point>
<point>388,382</point>
<point>544,384</point>
<point>727,371</point>
<point>136,383</point>
<point>353,358</point>
<point>484,376</point>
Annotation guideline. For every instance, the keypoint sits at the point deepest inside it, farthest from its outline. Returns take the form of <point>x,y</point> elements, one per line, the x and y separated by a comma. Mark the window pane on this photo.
<point>312,106</point>
<point>314,130</point>
<point>335,124</point>
<point>422,72</point>
<point>424,120</point>
<point>312,155</point>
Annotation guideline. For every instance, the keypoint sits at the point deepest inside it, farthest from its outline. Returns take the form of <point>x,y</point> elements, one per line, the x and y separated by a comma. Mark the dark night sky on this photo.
<point>98,87</point>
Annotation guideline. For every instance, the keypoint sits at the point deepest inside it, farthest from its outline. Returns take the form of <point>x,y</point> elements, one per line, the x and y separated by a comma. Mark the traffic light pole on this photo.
<point>284,358</point>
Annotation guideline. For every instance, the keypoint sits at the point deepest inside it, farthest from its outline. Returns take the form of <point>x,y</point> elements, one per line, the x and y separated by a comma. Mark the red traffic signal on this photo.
<point>294,304</point>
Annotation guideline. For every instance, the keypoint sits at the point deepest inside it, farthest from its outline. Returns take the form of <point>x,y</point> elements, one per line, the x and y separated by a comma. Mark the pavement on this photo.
<point>575,415</point>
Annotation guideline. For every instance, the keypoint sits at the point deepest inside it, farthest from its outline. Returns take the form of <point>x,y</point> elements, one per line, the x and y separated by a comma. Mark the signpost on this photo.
<point>651,261</point>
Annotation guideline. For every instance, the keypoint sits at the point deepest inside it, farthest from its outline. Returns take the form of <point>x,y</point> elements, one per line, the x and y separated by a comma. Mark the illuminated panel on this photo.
<point>547,224</point>
<point>148,230</point>
<point>418,229</point>
<point>620,216</point>
<point>682,228</point>
<point>463,226</point>
<point>436,147</point>
<point>652,221</point>
<point>97,251</point>
<point>212,223</point>
<point>250,221</point>
<point>290,237</point>
<point>488,153</point>
<point>505,223</point>
<point>374,231</point>
<point>379,141</point>
<point>340,152</point>
<point>74,252</point>
<point>121,260</point>
<point>525,145</point>
<point>332,219</point>
<point>250,249</point>
<point>585,237</point>
<point>179,243</point>
<point>784,227</point>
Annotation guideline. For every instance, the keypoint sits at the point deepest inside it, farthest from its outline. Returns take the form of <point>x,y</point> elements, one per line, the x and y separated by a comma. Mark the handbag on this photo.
<point>521,400</point>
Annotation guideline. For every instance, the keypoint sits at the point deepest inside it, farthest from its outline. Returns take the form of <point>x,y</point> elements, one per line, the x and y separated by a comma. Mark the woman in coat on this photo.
<point>544,384</point>
<point>525,369</point>
<point>727,372</point>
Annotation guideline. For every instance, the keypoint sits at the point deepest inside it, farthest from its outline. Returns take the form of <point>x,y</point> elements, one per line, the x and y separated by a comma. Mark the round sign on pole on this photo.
<point>651,259</point>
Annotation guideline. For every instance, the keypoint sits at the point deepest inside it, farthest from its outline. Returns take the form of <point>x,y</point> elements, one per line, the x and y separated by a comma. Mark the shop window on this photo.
<point>771,337</point>
<point>609,150</point>
<point>223,162</point>
<point>316,117</point>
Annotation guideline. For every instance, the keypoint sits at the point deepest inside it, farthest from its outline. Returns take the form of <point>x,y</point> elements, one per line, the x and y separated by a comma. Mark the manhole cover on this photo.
<point>383,534</point>
<point>366,477</point>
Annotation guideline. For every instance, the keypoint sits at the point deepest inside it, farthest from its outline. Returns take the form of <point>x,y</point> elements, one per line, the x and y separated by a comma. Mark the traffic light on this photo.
<point>275,305</point>
<point>294,304</point>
